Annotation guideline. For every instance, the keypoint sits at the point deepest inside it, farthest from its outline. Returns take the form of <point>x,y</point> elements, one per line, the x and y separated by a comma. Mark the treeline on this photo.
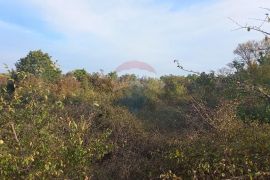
<point>84,125</point>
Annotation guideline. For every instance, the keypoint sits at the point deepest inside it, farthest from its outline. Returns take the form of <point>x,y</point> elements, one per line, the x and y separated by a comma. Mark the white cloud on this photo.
<point>151,32</point>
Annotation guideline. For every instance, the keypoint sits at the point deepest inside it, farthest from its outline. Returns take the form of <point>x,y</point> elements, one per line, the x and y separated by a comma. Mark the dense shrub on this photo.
<point>97,126</point>
<point>235,150</point>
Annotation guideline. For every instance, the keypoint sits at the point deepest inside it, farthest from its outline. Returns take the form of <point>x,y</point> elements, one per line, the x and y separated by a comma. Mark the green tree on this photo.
<point>252,76</point>
<point>40,65</point>
<point>80,74</point>
<point>113,75</point>
<point>175,90</point>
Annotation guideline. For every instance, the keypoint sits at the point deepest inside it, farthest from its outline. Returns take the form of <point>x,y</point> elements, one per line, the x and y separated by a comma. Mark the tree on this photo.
<point>253,78</point>
<point>113,75</point>
<point>175,90</point>
<point>80,74</point>
<point>40,65</point>
<point>251,51</point>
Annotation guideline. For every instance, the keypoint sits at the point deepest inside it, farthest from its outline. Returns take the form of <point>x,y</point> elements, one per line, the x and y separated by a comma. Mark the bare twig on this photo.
<point>252,88</point>
<point>204,113</point>
<point>255,28</point>
<point>181,67</point>
<point>14,133</point>
<point>265,20</point>
<point>268,9</point>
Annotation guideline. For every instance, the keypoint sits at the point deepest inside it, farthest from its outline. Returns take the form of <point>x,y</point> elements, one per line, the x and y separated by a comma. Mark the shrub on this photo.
<point>39,64</point>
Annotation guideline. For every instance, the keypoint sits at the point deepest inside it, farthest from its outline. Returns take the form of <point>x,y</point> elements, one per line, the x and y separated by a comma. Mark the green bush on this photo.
<point>39,64</point>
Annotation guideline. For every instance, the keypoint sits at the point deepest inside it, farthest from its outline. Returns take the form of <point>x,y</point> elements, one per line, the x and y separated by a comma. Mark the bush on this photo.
<point>39,64</point>
<point>235,150</point>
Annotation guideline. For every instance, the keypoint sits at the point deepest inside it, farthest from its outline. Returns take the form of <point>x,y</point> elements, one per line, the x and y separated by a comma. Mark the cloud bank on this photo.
<point>103,34</point>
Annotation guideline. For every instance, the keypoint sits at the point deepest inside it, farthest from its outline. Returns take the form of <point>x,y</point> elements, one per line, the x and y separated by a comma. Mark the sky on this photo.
<point>95,34</point>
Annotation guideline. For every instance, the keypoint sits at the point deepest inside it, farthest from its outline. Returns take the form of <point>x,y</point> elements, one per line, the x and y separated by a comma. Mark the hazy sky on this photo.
<point>95,34</point>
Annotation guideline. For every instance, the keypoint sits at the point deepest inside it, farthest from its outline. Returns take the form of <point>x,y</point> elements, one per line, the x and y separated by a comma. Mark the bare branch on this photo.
<point>268,9</point>
<point>257,28</point>
<point>14,133</point>
<point>182,68</point>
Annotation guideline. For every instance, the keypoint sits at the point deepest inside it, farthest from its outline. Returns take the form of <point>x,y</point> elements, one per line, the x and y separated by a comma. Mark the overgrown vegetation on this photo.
<point>94,126</point>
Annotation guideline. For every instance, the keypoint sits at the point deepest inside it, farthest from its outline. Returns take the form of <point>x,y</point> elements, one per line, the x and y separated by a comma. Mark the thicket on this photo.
<point>94,126</point>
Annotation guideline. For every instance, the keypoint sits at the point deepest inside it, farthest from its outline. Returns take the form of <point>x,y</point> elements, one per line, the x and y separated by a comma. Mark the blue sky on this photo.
<point>94,34</point>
